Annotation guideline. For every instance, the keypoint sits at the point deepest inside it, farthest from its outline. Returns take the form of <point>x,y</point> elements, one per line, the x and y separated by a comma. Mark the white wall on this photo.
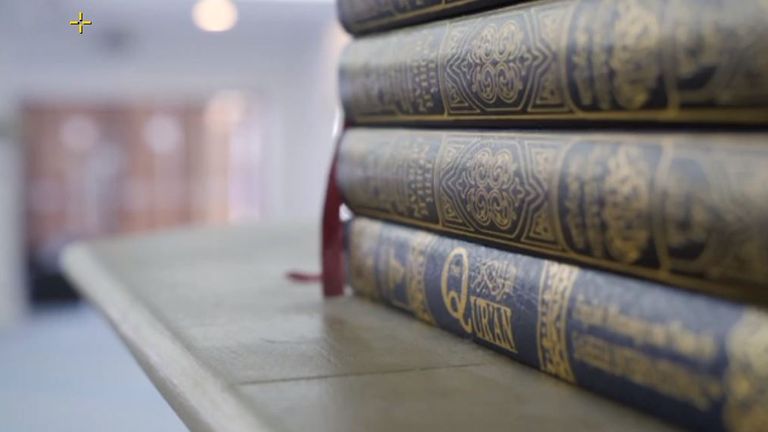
<point>12,295</point>
<point>282,52</point>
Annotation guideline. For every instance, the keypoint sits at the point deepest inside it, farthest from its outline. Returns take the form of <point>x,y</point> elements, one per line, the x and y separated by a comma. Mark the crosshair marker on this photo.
<point>80,22</point>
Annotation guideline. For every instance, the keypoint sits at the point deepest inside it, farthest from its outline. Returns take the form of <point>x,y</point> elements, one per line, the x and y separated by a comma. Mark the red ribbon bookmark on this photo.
<point>333,235</point>
<point>332,253</point>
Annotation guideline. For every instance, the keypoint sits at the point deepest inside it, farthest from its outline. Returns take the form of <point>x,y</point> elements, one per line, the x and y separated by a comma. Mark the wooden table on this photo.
<point>233,345</point>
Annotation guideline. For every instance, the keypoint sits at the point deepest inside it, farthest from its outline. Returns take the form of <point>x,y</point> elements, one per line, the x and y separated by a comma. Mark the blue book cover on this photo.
<point>685,209</point>
<point>694,360</point>
<point>560,61</point>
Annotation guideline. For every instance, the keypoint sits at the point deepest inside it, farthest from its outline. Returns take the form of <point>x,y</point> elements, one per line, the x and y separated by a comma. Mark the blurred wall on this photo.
<point>282,53</point>
<point>12,296</point>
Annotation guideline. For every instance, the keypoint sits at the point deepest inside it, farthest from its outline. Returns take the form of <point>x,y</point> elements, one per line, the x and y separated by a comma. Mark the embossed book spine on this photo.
<point>691,359</point>
<point>366,16</point>
<point>686,209</point>
<point>565,61</point>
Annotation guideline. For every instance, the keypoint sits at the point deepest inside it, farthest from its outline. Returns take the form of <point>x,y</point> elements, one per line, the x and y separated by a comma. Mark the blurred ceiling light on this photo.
<point>215,15</point>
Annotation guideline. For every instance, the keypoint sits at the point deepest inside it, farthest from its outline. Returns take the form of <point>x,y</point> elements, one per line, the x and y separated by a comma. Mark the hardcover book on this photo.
<point>566,61</point>
<point>366,16</point>
<point>688,209</point>
<point>691,359</point>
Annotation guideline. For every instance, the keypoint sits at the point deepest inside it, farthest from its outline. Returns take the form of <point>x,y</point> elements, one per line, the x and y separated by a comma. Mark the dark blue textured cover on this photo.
<point>691,359</point>
<point>685,209</point>
<point>563,61</point>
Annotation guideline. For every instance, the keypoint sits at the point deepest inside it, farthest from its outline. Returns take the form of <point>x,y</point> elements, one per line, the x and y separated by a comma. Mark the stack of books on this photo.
<point>581,185</point>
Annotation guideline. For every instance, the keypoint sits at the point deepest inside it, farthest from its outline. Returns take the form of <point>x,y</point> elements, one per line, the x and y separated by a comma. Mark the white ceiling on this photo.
<point>282,52</point>
<point>149,45</point>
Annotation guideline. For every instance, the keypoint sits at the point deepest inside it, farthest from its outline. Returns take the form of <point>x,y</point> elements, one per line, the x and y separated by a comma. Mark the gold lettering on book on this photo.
<point>667,336</point>
<point>666,377</point>
<point>457,266</point>
<point>493,323</point>
<point>475,296</point>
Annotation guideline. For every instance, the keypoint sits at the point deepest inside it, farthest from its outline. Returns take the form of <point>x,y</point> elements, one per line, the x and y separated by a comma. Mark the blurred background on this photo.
<point>161,114</point>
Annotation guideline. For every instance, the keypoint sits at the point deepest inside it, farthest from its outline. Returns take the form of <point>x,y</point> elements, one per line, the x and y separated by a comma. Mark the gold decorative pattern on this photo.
<point>362,259</point>
<point>551,338</point>
<point>668,335</point>
<point>610,60</point>
<point>626,343</point>
<point>406,188</point>
<point>746,392</point>
<point>486,67</point>
<point>707,357</point>
<point>714,212</point>
<point>636,70</point>
<point>416,268</point>
<point>495,280</point>
<point>617,54</point>
<point>672,379</point>
<point>491,189</point>
<point>626,192</point>
<point>399,271</point>
<point>683,209</point>
<point>492,185</point>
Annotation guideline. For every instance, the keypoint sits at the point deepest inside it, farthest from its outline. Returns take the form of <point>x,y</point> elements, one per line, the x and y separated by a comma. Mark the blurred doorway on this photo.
<point>115,168</point>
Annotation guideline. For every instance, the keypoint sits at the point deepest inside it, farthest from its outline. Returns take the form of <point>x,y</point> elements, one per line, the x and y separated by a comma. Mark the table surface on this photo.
<point>233,345</point>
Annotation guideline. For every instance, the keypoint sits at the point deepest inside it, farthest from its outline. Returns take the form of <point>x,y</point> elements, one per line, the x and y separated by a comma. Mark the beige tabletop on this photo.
<point>233,345</point>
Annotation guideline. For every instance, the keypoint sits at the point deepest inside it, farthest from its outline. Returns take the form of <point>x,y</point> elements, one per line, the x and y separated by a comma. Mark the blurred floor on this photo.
<point>62,368</point>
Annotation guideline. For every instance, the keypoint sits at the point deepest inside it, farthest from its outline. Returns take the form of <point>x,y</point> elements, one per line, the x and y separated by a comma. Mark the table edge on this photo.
<point>201,399</point>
